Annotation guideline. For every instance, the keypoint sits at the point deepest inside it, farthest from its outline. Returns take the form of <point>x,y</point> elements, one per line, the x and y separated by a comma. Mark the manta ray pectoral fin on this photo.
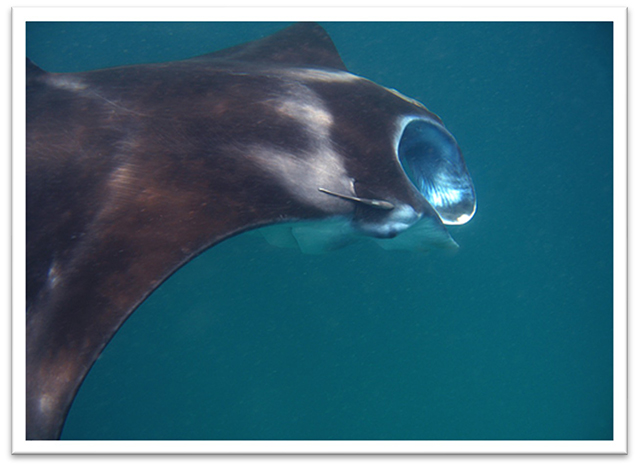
<point>374,203</point>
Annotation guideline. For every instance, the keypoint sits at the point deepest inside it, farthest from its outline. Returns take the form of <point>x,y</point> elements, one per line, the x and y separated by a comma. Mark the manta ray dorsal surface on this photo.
<point>133,171</point>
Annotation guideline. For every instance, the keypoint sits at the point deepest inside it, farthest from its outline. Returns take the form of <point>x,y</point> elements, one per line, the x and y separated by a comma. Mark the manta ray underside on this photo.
<point>133,171</point>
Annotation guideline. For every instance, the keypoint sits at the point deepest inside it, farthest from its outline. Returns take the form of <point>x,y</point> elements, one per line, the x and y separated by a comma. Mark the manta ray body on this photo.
<point>132,171</point>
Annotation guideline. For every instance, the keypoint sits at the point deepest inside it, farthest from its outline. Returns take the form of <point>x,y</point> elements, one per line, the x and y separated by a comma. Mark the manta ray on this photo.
<point>133,171</point>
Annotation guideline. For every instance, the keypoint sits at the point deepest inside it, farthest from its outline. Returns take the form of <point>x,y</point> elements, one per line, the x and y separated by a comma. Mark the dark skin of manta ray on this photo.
<point>133,171</point>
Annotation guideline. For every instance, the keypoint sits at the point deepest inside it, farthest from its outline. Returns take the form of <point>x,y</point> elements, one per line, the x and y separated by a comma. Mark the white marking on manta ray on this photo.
<point>315,117</point>
<point>65,82</point>
<point>319,165</point>
<point>47,403</point>
<point>321,75</point>
<point>302,174</point>
<point>75,84</point>
<point>53,275</point>
<point>121,178</point>
<point>123,184</point>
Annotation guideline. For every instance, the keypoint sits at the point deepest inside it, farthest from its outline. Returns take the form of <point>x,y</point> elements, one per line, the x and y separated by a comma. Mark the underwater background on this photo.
<point>508,338</point>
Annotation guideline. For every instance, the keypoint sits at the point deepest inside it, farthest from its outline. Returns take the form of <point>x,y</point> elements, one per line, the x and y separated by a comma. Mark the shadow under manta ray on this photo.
<point>133,171</point>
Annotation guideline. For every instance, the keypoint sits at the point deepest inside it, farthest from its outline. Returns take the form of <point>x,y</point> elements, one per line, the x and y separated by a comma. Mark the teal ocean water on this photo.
<point>508,338</point>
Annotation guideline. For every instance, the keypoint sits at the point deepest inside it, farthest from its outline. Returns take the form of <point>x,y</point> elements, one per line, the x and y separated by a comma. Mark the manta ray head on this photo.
<point>402,175</point>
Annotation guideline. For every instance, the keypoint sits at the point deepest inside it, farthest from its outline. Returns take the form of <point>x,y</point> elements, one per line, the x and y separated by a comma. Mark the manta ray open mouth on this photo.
<point>432,160</point>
